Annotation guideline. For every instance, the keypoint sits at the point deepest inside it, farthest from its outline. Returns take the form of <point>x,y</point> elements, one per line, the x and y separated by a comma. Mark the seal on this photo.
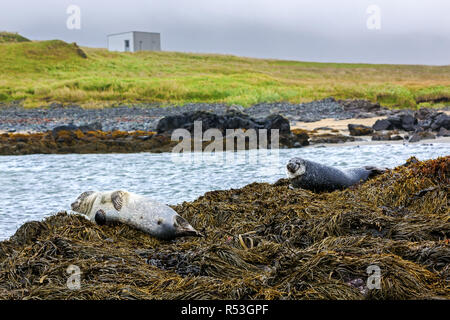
<point>318,177</point>
<point>134,210</point>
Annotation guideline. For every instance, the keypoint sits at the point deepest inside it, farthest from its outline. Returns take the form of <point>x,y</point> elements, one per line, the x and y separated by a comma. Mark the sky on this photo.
<point>369,31</point>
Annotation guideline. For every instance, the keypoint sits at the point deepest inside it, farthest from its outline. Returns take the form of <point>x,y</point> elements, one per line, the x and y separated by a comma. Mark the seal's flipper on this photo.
<point>375,171</point>
<point>100,217</point>
<point>117,199</point>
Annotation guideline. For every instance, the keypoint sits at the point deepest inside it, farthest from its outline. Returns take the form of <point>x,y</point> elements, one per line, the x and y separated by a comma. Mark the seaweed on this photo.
<point>263,241</point>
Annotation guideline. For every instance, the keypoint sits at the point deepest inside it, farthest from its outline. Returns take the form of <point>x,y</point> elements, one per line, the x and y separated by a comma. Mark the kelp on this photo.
<point>263,241</point>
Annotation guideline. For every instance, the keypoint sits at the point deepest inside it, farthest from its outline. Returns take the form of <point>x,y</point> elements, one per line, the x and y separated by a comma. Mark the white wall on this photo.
<point>147,41</point>
<point>116,42</point>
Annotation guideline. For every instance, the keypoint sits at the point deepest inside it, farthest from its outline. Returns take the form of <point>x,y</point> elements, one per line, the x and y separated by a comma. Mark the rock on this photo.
<point>421,135</point>
<point>408,122</point>
<point>382,124</point>
<point>276,121</point>
<point>443,132</point>
<point>395,121</point>
<point>69,127</point>
<point>396,137</point>
<point>359,130</point>
<point>424,113</point>
<point>381,136</point>
<point>231,120</point>
<point>331,138</point>
<point>360,105</point>
<point>96,126</point>
<point>441,120</point>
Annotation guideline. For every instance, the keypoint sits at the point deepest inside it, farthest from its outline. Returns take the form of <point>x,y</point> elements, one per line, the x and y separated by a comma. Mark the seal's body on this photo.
<point>134,210</point>
<point>318,177</point>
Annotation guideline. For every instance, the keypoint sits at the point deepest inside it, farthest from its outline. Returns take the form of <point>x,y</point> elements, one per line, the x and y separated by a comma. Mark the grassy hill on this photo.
<point>11,37</point>
<point>41,72</point>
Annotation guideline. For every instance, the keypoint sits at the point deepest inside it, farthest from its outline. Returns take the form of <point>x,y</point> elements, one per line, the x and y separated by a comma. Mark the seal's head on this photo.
<point>295,168</point>
<point>178,227</point>
<point>80,205</point>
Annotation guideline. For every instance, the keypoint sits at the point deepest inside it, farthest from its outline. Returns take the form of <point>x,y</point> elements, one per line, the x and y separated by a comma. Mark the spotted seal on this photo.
<point>134,210</point>
<point>318,177</point>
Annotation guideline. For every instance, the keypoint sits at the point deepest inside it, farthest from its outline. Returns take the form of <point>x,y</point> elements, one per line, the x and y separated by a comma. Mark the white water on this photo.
<point>36,186</point>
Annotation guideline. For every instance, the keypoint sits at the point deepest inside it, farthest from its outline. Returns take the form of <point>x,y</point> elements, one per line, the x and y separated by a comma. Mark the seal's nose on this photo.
<point>184,229</point>
<point>292,167</point>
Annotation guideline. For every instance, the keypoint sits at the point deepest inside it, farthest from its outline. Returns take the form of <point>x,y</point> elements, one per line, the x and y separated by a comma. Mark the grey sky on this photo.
<point>412,31</point>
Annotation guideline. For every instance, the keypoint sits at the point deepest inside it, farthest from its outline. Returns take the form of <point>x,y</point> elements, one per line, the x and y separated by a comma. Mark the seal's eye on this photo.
<point>159,221</point>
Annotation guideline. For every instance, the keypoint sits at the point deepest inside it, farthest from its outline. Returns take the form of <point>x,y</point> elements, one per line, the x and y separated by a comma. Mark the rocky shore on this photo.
<point>71,129</point>
<point>263,241</point>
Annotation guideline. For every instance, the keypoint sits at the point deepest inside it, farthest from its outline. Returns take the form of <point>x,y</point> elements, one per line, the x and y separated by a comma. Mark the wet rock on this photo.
<point>408,122</point>
<point>421,135</point>
<point>443,132</point>
<point>382,124</point>
<point>441,120</point>
<point>231,120</point>
<point>331,138</point>
<point>276,121</point>
<point>381,136</point>
<point>359,130</point>
<point>396,137</point>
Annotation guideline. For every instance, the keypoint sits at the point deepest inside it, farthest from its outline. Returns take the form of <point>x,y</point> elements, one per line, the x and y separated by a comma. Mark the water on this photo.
<point>36,186</point>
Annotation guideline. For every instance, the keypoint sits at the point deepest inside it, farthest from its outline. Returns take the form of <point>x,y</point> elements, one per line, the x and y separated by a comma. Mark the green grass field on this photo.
<point>39,73</point>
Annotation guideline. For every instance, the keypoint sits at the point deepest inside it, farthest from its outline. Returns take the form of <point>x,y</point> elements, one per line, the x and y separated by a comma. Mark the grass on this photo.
<point>8,37</point>
<point>41,72</point>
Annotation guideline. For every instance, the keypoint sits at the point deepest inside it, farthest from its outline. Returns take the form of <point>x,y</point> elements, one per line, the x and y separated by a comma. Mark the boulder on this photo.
<point>441,120</point>
<point>421,135</point>
<point>381,136</point>
<point>443,132</point>
<point>408,122</point>
<point>230,120</point>
<point>359,130</point>
<point>382,124</point>
<point>276,121</point>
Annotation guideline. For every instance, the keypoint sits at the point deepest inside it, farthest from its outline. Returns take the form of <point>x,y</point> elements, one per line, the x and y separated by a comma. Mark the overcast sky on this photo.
<point>411,31</point>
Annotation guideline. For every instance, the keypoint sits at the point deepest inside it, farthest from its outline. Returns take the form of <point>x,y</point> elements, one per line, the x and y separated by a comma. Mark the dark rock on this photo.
<point>421,135</point>
<point>91,127</point>
<point>231,120</point>
<point>395,121</point>
<point>276,121</point>
<point>69,127</point>
<point>382,124</point>
<point>359,130</point>
<point>424,113</point>
<point>443,132</point>
<point>381,136</point>
<point>408,122</point>
<point>441,120</point>
<point>331,138</point>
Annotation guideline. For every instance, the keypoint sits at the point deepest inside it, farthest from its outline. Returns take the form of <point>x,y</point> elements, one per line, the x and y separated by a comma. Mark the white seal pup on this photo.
<point>137,211</point>
<point>318,177</point>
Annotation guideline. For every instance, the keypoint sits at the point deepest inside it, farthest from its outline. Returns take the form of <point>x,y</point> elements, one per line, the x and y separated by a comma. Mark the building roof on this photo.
<point>115,34</point>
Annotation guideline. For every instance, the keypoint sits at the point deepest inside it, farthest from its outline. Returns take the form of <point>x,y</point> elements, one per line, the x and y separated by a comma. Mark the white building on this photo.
<point>134,41</point>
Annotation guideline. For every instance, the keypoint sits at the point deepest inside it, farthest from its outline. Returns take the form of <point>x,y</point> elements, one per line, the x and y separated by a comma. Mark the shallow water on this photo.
<point>36,186</point>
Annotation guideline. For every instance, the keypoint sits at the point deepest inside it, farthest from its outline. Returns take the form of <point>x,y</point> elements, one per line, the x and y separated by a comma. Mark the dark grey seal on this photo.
<point>137,211</point>
<point>318,177</point>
